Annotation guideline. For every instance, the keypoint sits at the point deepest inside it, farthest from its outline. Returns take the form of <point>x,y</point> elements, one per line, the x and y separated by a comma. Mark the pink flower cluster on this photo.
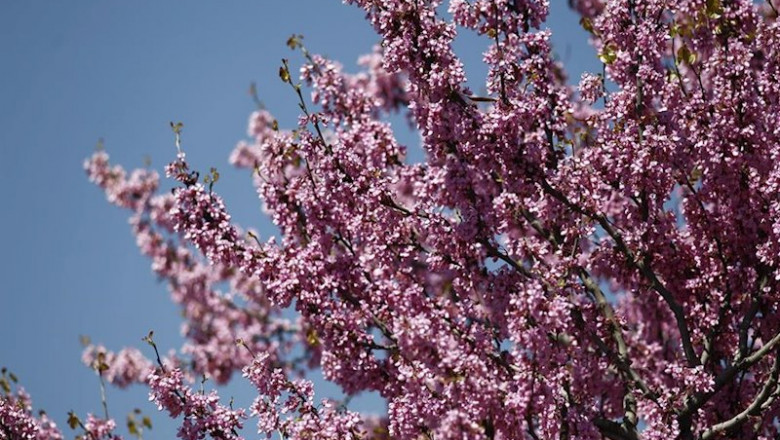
<point>99,429</point>
<point>17,421</point>
<point>124,368</point>
<point>203,414</point>
<point>287,407</point>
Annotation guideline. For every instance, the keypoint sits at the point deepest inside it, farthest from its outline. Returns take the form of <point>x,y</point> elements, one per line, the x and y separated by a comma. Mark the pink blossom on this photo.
<point>549,271</point>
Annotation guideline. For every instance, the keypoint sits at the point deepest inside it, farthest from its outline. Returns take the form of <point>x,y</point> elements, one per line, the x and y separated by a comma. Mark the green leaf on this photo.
<point>100,363</point>
<point>148,338</point>
<point>176,127</point>
<point>284,74</point>
<point>312,338</point>
<point>4,385</point>
<point>608,55</point>
<point>695,175</point>
<point>294,41</point>
<point>73,420</point>
<point>131,427</point>
<point>685,55</point>
<point>674,30</point>
<point>587,24</point>
<point>714,8</point>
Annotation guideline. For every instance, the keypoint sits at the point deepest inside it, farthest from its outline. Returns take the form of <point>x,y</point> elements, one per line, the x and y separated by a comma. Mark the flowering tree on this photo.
<point>589,263</point>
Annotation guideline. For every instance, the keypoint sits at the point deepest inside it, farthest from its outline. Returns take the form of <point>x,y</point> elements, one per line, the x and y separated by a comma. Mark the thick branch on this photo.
<point>614,431</point>
<point>755,407</point>
<point>642,266</point>
<point>747,319</point>
<point>623,362</point>
<point>727,376</point>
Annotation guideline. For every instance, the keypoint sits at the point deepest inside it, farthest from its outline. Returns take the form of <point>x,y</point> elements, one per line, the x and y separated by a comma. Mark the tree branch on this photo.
<point>766,394</point>
<point>640,264</point>
<point>622,361</point>
<point>726,377</point>
<point>614,431</point>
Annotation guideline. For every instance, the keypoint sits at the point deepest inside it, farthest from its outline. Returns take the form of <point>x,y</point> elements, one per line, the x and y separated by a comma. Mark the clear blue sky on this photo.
<point>75,71</point>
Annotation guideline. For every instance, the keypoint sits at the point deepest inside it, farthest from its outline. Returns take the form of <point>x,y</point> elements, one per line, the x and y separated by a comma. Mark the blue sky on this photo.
<point>72,72</point>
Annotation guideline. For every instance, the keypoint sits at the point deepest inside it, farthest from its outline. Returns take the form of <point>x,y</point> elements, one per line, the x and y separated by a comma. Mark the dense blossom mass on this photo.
<point>588,262</point>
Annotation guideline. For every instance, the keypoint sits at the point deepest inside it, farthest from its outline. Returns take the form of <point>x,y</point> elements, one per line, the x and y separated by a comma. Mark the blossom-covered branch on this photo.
<point>566,262</point>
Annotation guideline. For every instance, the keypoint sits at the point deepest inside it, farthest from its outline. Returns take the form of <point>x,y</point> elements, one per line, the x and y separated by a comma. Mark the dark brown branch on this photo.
<point>726,377</point>
<point>621,360</point>
<point>709,341</point>
<point>492,251</point>
<point>767,394</point>
<point>641,265</point>
<point>614,431</point>
<point>744,325</point>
